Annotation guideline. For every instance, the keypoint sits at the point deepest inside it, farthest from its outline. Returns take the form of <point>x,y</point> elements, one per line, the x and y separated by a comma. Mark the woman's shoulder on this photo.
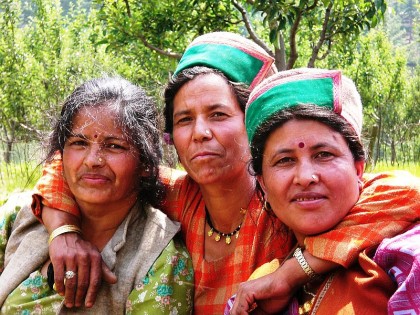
<point>161,220</point>
<point>396,179</point>
<point>16,221</point>
<point>16,210</point>
<point>17,200</point>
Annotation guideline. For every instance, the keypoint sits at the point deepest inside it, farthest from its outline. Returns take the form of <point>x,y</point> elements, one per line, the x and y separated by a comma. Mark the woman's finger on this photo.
<point>83,278</point>
<point>95,278</point>
<point>70,283</point>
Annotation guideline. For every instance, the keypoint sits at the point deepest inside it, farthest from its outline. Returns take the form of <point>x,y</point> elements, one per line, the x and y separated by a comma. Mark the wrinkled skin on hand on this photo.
<point>270,293</point>
<point>70,252</point>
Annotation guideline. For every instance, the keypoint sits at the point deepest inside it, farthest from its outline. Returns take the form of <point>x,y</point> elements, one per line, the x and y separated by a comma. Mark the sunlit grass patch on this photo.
<point>16,177</point>
<point>413,168</point>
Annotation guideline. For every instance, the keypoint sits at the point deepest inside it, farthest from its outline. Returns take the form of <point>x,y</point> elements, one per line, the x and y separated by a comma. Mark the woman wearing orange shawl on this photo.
<point>223,221</point>
<point>304,128</point>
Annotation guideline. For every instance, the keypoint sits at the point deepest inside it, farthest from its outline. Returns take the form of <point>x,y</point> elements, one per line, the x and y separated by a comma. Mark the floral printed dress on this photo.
<point>167,288</point>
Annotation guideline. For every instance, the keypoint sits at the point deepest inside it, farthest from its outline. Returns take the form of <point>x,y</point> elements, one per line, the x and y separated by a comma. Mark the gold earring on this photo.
<point>267,207</point>
<point>360,184</point>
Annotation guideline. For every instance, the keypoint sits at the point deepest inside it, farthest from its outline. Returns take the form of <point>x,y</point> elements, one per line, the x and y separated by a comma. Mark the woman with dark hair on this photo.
<point>223,224</point>
<point>223,221</point>
<point>108,137</point>
<point>304,128</point>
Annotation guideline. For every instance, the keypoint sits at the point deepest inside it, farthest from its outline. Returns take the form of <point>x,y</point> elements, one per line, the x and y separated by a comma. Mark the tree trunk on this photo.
<point>10,137</point>
<point>280,54</point>
<point>7,155</point>
<point>393,152</point>
<point>371,149</point>
<point>378,141</point>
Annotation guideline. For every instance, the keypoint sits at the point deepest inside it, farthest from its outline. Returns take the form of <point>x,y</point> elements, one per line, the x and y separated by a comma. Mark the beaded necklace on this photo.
<point>227,236</point>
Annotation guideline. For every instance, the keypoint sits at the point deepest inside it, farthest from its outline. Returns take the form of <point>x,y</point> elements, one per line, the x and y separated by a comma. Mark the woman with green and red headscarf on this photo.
<point>223,221</point>
<point>304,129</point>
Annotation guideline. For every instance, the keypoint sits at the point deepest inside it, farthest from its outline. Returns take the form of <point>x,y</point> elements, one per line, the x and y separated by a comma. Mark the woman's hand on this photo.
<point>269,294</point>
<point>272,292</point>
<point>69,252</point>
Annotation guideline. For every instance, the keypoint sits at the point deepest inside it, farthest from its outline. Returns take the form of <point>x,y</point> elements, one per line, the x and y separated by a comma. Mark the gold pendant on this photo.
<point>210,233</point>
<point>228,240</point>
<point>217,238</point>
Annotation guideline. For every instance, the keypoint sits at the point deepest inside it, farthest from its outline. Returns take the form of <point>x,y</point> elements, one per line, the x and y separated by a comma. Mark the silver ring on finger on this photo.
<point>69,274</point>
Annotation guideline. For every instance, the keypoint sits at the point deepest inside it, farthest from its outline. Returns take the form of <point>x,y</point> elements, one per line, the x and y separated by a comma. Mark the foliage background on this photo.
<point>47,47</point>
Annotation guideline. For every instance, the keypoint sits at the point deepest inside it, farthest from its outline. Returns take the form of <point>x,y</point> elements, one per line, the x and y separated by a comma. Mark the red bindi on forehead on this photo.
<point>301,145</point>
<point>95,136</point>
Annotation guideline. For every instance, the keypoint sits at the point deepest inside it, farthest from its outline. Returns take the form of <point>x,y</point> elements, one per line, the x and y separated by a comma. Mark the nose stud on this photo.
<point>100,160</point>
<point>207,132</point>
<point>315,177</point>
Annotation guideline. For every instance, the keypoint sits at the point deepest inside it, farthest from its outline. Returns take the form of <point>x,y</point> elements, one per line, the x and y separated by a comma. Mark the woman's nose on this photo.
<point>94,156</point>
<point>202,132</point>
<point>306,175</point>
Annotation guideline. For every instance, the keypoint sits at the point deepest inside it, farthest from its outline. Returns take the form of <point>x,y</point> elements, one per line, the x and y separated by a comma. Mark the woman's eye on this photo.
<point>82,143</point>
<point>218,114</point>
<point>324,155</point>
<point>114,146</point>
<point>284,161</point>
<point>183,120</point>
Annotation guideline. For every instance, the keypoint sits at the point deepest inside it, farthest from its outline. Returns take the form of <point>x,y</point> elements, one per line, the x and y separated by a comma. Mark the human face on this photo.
<point>100,165</point>
<point>309,176</point>
<point>209,131</point>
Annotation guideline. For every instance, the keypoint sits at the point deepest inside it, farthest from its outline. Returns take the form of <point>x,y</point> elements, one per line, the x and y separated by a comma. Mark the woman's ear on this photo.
<point>360,168</point>
<point>260,180</point>
<point>144,171</point>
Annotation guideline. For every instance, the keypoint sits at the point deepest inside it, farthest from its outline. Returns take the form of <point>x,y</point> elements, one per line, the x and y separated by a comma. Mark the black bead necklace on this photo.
<point>227,236</point>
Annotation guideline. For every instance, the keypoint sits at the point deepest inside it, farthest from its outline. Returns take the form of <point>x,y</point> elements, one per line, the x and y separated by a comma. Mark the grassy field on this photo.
<point>17,177</point>
<point>413,168</point>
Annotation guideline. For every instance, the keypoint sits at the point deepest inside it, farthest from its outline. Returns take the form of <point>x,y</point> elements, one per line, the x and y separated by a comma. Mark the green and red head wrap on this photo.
<point>240,59</point>
<point>325,88</point>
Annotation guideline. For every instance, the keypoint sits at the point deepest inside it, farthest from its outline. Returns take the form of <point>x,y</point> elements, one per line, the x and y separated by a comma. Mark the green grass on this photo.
<point>16,177</point>
<point>413,168</point>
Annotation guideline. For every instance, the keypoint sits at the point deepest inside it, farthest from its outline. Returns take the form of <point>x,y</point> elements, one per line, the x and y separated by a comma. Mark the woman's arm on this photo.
<point>52,191</point>
<point>388,204</point>
<point>54,205</point>
<point>68,251</point>
<point>272,291</point>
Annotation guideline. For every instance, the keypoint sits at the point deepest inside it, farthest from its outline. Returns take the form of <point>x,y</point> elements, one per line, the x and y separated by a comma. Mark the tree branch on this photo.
<point>280,53</point>
<point>321,39</point>
<point>292,41</point>
<point>158,50</point>
<point>145,42</point>
<point>249,28</point>
<point>326,53</point>
<point>127,6</point>
<point>148,45</point>
<point>31,129</point>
